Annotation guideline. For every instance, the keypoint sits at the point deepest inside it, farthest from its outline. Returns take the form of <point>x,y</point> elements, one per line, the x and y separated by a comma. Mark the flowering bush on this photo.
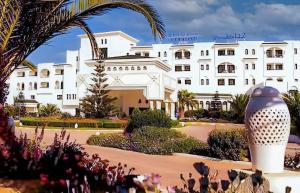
<point>292,162</point>
<point>238,182</point>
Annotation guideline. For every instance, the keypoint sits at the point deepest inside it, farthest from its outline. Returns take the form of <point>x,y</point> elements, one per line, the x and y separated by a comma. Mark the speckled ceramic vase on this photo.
<point>267,121</point>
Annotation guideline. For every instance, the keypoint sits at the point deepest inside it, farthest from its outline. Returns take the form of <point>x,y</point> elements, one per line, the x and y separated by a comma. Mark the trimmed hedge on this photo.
<point>149,140</point>
<point>203,113</point>
<point>71,124</point>
<point>152,118</point>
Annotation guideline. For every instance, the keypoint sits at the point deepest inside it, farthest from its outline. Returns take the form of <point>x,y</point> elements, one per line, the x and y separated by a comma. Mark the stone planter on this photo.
<point>267,121</point>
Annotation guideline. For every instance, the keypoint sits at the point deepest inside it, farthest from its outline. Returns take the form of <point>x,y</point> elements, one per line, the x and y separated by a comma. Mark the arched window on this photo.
<point>225,107</point>
<point>207,81</point>
<point>274,53</point>
<point>158,54</point>
<point>280,79</point>
<point>138,68</point>
<point>45,73</point>
<point>18,86</point>
<point>187,54</point>
<point>120,69</point>
<point>253,51</point>
<point>144,67</point>
<point>108,69</point>
<point>253,81</point>
<point>221,68</point>
<point>201,104</point>
<point>126,68</point>
<point>115,69</point>
<point>182,54</point>
<point>57,84</point>
<point>165,54</point>
<point>30,86</point>
<point>35,86</point>
<point>132,67</point>
<point>202,67</point>
<point>22,86</point>
<point>207,52</point>
<point>202,81</point>
<point>207,67</point>
<point>231,68</point>
<point>202,53</point>
<point>178,55</point>
<point>208,104</point>
<point>246,52</point>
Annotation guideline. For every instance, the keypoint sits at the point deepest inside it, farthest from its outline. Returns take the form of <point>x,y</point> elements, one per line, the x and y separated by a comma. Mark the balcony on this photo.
<point>44,85</point>
<point>182,54</point>
<point>45,73</point>
<point>274,53</point>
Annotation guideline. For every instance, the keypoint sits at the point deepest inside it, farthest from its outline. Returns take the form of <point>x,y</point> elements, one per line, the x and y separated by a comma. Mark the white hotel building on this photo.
<point>150,76</point>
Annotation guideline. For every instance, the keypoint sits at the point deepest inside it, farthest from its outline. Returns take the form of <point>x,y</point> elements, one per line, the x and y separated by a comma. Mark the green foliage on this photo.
<point>66,115</point>
<point>150,140</point>
<point>238,106</point>
<point>49,110</point>
<point>4,92</point>
<point>98,104</point>
<point>227,143</point>
<point>71,123</point>
<point>196,114</point>
<point>155,118</point>
<point>292,100</point>
<point>203,113</point>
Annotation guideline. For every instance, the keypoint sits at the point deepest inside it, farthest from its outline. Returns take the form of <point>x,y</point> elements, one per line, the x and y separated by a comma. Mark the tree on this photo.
<point>99,104</point>
<point>3,92</point>
<point>238,105</point>
<point>20,105</point>
<point>49,110</point>
<point>185,99</point>
<point>292,99</point>
<point>27,24</point>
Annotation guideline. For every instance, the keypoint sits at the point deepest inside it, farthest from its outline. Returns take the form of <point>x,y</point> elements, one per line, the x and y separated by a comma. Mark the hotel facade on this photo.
<point>150,76</point>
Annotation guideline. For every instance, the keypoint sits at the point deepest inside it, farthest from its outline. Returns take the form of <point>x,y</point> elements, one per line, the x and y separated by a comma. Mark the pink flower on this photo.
<point>44,179</point>
<point>62,182</point>
<point>155,178</point>
<point>5,153</point>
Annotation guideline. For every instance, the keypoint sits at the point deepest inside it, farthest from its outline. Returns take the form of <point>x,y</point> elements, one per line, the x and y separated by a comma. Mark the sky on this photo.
<point>269,20</point>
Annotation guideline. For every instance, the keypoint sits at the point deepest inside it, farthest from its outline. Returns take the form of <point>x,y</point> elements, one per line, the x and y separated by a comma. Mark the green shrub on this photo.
<point>227,143</point>
<point>228,115</point>
<point>155,118</point>
<point>113,125</point>
<point>175,123</point>
<point>196,114</point>
<point>149,140</point>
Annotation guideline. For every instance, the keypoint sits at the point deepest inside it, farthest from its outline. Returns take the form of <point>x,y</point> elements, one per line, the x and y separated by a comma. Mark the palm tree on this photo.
<point>238,105</point>
<point>292,99</point>
<point>185,99</point>
<point>49,110</point>
<point>25,25</point>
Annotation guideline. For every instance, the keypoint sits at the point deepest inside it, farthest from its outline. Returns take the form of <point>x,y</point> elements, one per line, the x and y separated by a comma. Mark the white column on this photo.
<point>167,108</point>
<point>151,105</point>
<point>173,111</point>
<point>158,105</point>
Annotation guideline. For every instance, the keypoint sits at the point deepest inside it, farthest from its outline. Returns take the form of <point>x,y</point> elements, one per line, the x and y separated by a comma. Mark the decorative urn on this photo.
<point>267,121</point>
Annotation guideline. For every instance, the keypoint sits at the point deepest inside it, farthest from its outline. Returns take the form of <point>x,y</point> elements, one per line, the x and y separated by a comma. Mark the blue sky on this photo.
<point>259,19</point>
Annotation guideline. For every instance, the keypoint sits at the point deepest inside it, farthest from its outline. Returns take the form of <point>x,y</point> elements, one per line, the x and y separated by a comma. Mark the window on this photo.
<point>296,80</point>
<point>74,96</point>
<point>207,67</point>
<point>178,55</point>
<point>246,66</point>
<point>126,68</point>
<point>44,84</point>
<point>202,67</point>
<point>59,97</point>
<point>165,54</point>
<point>132,67</point>
<point>144,67</point>
<point>104,52</point>
<point>253,66</point>
<point>253,81</point>
<point>246,51</point>
<point>230,52</point>
<point>207,53</point>
<point>188,81</point>
<point>178,68</point>
<point>221,82</point>
<point>120,69</point>
<point>231,81</point>
<point>231,68</point>
<point>295,51</point>
<point>279,67</point>
<point>207,81</point>
<point>187,54</point>
<point>35,86</point>
<point>22,86</point>
<point>32,97</point>
<point>138,68</point>
<point>138,53</point>
<point>296,66</point>
<point>269,66</point>
<point>32,73</point>
<point>146,54</point>
<point>158,54</point>
<point>202,81</point>
<point>280,79</point>
<point>140,101</point>
<point>179,81</point>
<point>221,52</point>
<point>202,53</point>
<point>105,41</point>
<point>187,68</point>
<point>115,69</point>
<point>246,81</point>
<point>108,69</point>
<point>45,73</point>
<point>102,42</point>
<point>221,68</point>
<point>59,71</point>
<point>253,51</point>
